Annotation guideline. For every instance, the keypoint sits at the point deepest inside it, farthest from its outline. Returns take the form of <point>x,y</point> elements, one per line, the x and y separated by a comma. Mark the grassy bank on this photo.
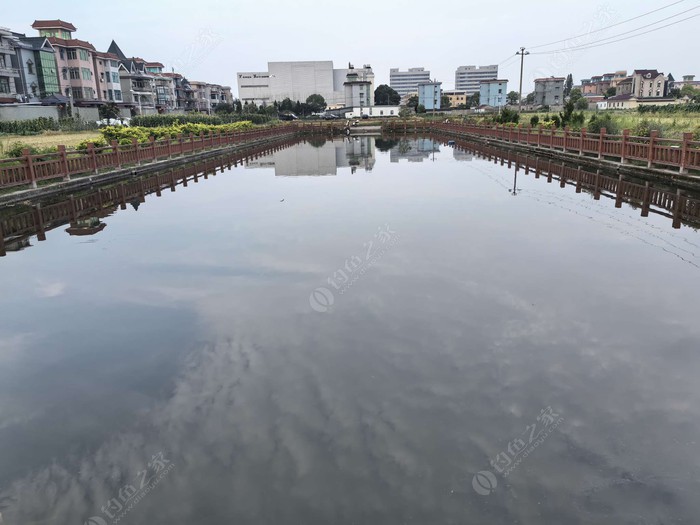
<point>48,139</point>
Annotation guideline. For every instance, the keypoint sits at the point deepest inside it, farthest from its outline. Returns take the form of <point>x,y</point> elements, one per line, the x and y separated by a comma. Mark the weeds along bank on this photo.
<point>125,135</point>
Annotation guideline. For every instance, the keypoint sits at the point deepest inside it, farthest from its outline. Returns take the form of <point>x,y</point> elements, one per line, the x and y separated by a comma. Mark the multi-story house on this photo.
<point>549,91</point>
<point>456,98</point>
<point>74,59</point>
<point>184,96</point>
<point>201,93</point>
<point>36,62</point>
<point>599,85</point>
<point>107,70</point>
<point>404,82</point>
<point>493,93</point>
<point>137,83</point>
<point>648,83</point>
<point>10,88</point>
<point>430,95</point>
<point>469,78</point>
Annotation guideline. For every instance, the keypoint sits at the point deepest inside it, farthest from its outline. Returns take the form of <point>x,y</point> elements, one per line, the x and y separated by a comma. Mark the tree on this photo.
<point>530,99</point>
<point>316,103</point>
<point>412,101</point>
<point>690,92</point>
<point>473,100</point>
<point>575,94</point>
<point>250,108</point>
<point>109,110</point>
<point>405,112</point>
<point>420,108</point>
<point>675,92</point>
<point>445,102</point>
<point>568,117</point>
<point>568,85</point>
<point>581,103</point>
<point>239,106</point>
<point>286,105</point>
<point>512,98</point>
<point>386,96</point>
<point>611,92</point>
<point>224,108</point>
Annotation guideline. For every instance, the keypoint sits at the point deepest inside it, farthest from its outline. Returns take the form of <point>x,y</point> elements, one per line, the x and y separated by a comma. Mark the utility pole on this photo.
<point>522,54</point>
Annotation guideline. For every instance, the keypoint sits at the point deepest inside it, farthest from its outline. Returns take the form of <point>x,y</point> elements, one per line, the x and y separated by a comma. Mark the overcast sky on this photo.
<point>211,40</point>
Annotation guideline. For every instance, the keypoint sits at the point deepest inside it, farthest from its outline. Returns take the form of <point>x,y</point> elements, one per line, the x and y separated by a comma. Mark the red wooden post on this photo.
<point>582,138</point>
<point>191,144</point>
<point>623,146</point>
<point>73,209</point>
<point>135,146</point>
<point>2,241</point>
<point>152,141</point>
<point>620,191</point>
<point>29,163</point>
<point>64,162</point>
<point>650,154</point>
<point>117,155</point>
<point>687,137</point>
<point>170,148</point>
<point>539,135</point>
<point>39,222</point>
<point>601,142</point>
<point>93,157</point>
<point>551,138</point>
<point>566,136</point>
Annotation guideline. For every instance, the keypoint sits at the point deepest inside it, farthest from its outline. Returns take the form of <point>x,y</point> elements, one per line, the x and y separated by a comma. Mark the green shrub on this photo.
<point>534,121</point>
<point>156,121</point>
<point>598,122</point>
<point>16,149</point>
<point>29,127</point>
<point>99,142</point>
<point>125,134</point>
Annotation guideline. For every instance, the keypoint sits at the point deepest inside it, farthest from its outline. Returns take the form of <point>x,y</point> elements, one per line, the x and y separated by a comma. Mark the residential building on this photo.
<point>648,83</point>
<point>219,95</point>
<point>358,92</point>
<point>144,89</point>
<point>468,78</point>
<point>201,92</point>
<point>107,71</point>
<point>404,82</point>
<point>456,98</point>
<point>493,93</point>
<point>688,80</point>
<point>36,63</point>
<point>297,81</point>
<point>624,87</point>
<point>429,95</point>
<point>10,83</point>
<point>74,60</point>
<point>599,85</point>
<point>184,96</point>
<point>549,91</point>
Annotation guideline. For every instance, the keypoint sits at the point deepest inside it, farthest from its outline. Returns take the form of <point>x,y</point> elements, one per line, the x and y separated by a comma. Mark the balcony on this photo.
<point>8,72</point>
<point>7,49</point>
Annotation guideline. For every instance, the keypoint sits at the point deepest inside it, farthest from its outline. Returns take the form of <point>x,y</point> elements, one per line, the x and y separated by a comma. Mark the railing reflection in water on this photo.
<point>682,209</point>
<point>83,211</point>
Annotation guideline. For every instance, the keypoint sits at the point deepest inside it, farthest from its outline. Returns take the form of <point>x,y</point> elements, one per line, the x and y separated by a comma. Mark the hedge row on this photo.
<point>125,134</point>
<point>155,121</point>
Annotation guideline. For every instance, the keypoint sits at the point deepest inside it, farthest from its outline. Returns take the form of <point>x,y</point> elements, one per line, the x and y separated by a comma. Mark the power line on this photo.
<point>612,25</point>
<point>574,48</point>
<point>590,46</point>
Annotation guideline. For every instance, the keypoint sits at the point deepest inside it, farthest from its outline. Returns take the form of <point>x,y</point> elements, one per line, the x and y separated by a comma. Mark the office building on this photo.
<point>405,82</point>
<point>468,78</point>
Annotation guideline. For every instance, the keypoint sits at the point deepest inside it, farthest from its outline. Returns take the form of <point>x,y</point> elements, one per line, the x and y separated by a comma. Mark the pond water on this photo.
<point>354,332</point>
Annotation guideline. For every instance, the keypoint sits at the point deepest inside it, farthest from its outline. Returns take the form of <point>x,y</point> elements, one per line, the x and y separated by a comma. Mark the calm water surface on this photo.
<point>339,334</point>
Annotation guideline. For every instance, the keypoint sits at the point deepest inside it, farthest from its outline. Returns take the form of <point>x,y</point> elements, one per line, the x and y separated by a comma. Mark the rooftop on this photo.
<point>53,24</point>
<point>72,42</point>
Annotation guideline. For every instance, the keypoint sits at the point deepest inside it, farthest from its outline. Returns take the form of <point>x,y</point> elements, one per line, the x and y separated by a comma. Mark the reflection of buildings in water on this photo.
<point>16,246</point>
<point>414,150</point>
<point>86,226</point>
<point>319,156</point>
<point>461,155</point>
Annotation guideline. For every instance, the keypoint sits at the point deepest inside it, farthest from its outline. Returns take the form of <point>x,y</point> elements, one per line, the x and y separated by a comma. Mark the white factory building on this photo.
<point>298,80</point>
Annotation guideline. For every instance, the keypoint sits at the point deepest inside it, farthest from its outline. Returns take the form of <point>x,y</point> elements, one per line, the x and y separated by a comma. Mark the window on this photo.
<point>104,94</point>
<point>4,85</point>
<point>115,78</point>
<point>65,74</point>
<point>114,63</point>
<point>30,67</point>
<point>71,54</point>
<point>87,74</point>
<point>74,73</point>
<point>110,94</point>
<point>117,94</point>
<point>77,93</point>
<point>61,53</point>
<point>84,55</point>
<point>102,76</point>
